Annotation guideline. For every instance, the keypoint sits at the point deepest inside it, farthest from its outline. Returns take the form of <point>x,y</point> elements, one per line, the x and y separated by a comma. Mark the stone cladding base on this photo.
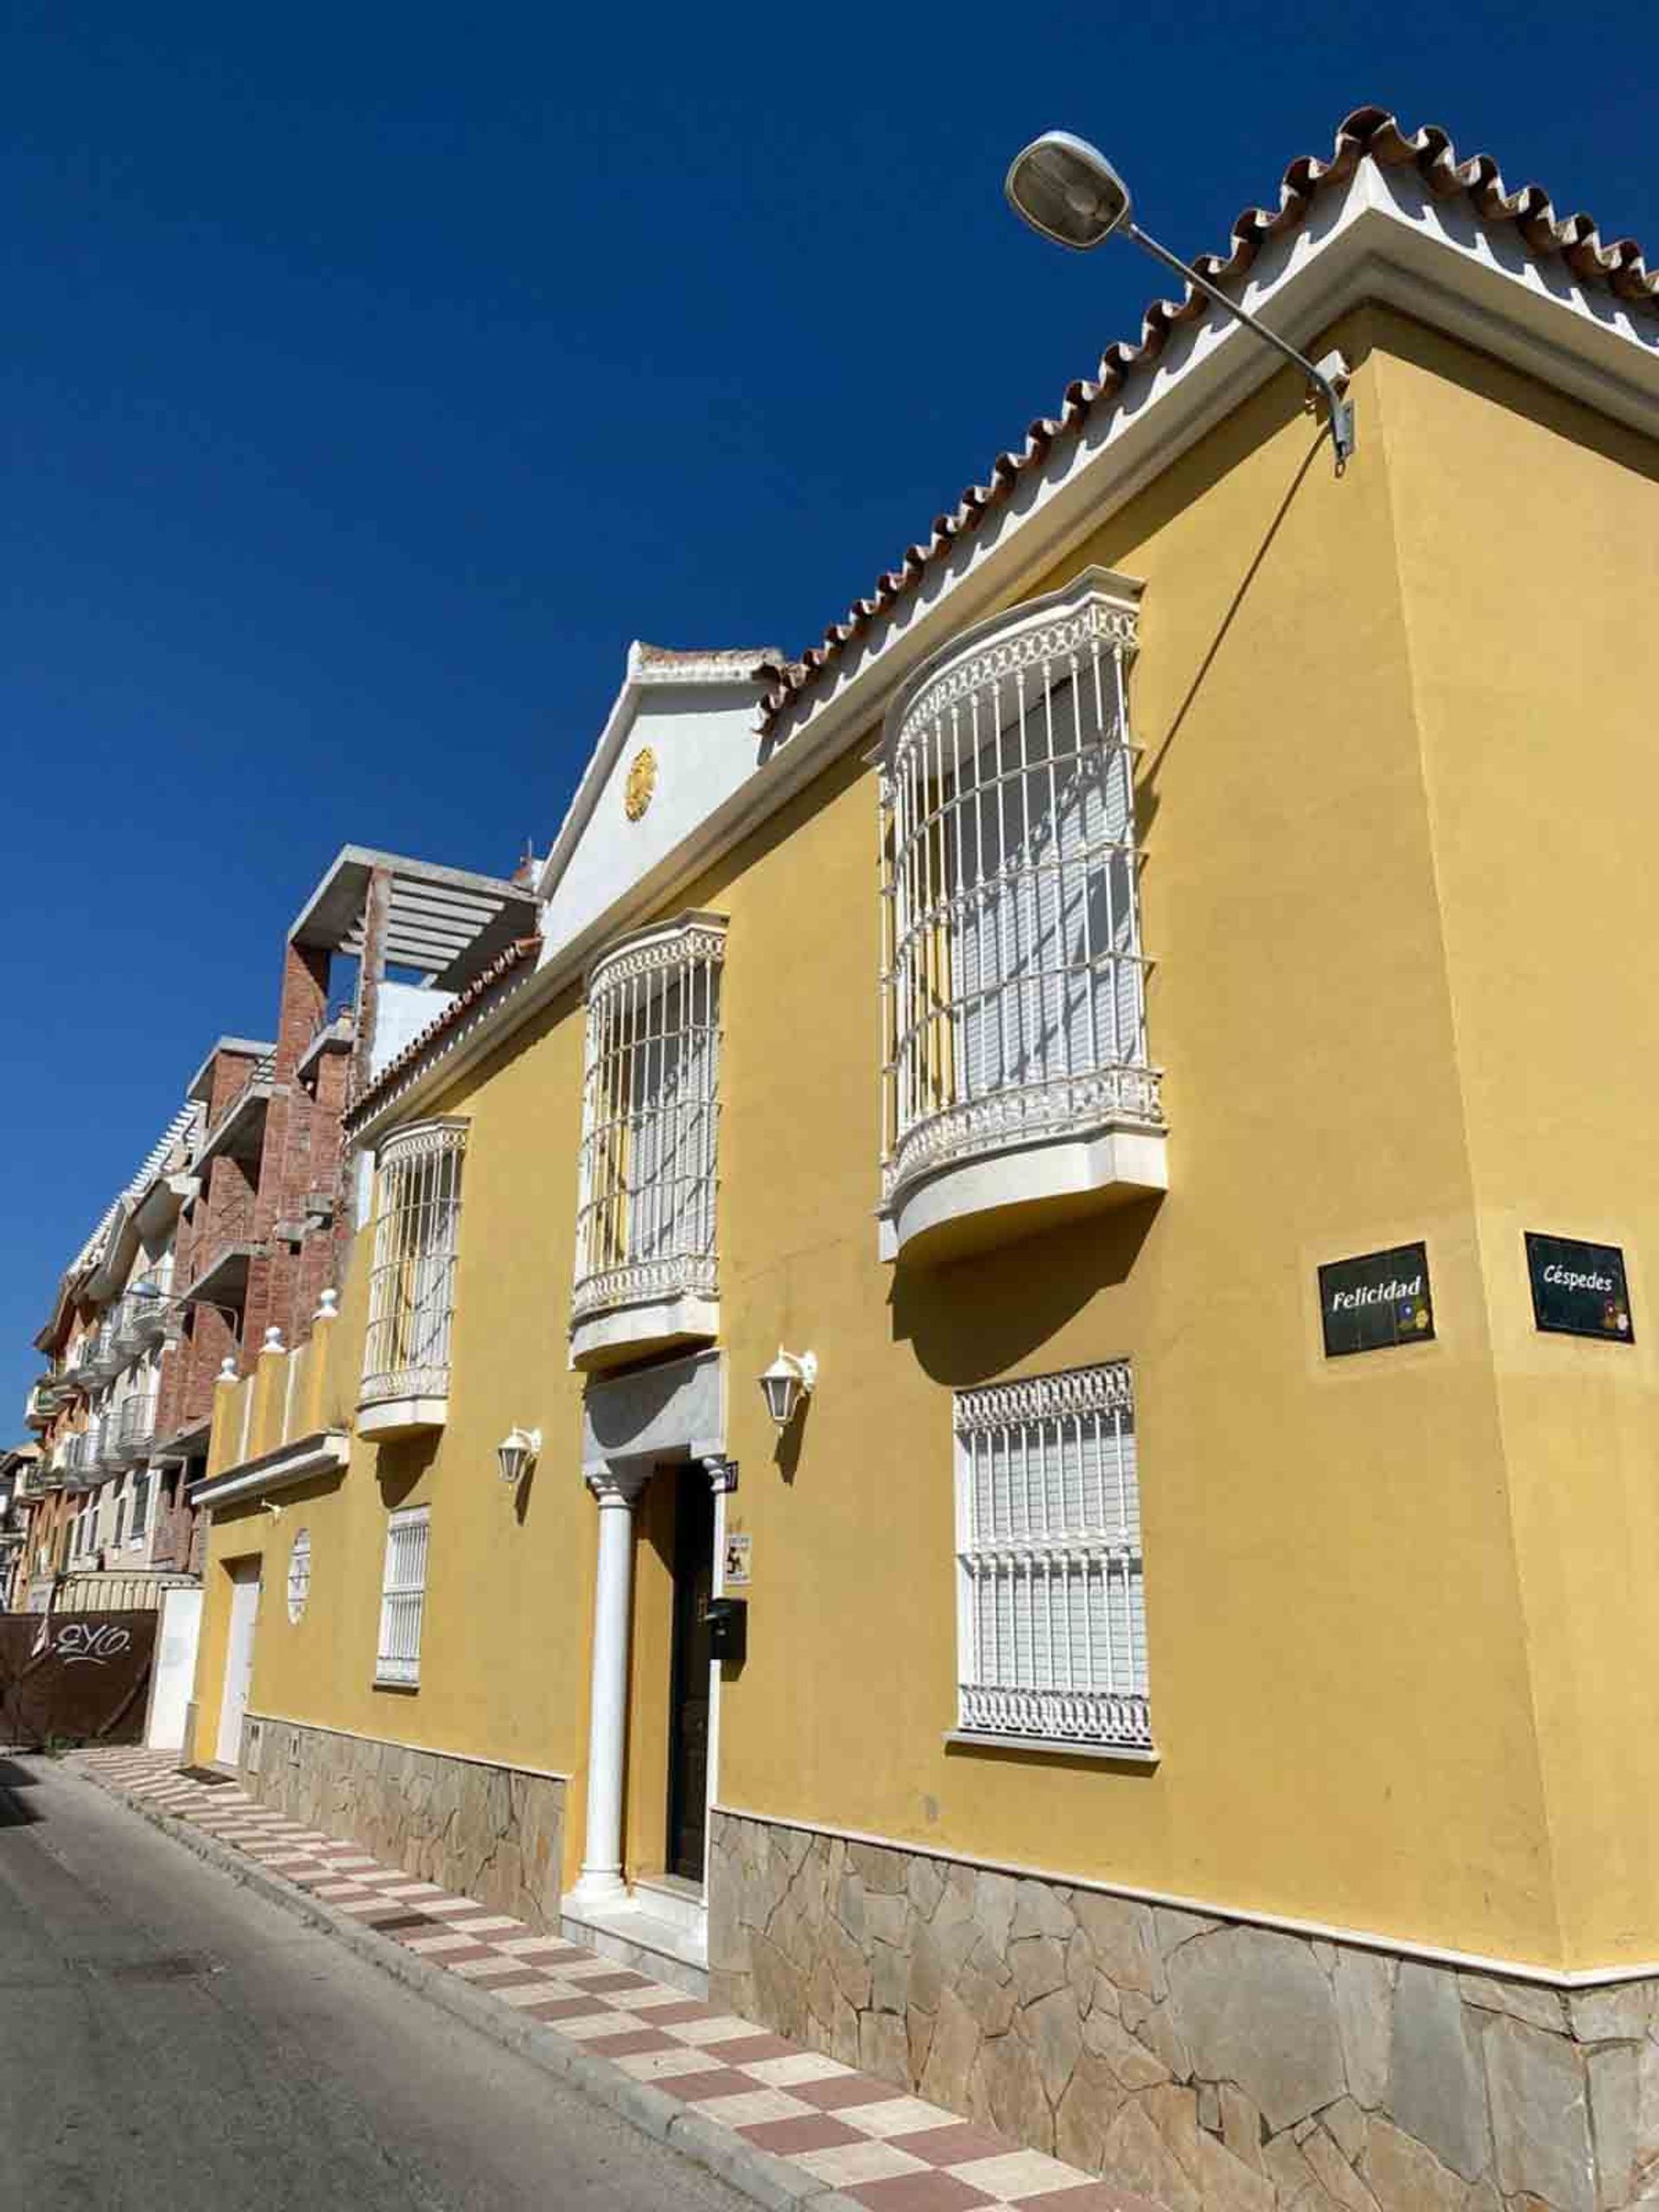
<point>1214,2065</point>
<point>493,1833</point>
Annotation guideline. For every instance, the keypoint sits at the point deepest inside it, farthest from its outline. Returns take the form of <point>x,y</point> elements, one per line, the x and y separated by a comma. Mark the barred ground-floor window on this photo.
<point>1051,1613</point>
<point>402,1598</point>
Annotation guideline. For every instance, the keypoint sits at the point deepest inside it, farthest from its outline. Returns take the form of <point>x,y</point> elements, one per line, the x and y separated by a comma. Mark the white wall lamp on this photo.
<point>786,1383</point>
<point>1066,190</point>
<point>516,1451</point>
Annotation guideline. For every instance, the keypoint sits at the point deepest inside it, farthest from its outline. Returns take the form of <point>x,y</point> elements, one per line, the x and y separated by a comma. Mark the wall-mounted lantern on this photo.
<point>516,1451</point>
<point>786,1383</point>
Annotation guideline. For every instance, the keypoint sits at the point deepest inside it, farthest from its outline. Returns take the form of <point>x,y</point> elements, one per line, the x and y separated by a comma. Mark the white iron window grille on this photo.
<point>1013,974</point>
<point>645,1198</point>
<point>1050,1618</point>
<point>299,1576</point>
<point>412,1280</point>
<point>402,1598</point>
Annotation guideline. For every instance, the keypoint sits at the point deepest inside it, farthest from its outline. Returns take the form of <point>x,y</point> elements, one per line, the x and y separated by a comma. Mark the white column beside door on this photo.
<point>602,1879</point>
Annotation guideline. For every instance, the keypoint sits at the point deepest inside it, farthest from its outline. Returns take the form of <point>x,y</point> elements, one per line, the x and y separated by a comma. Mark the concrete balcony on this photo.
<point>403,1401</point>
<point>626,1313</point>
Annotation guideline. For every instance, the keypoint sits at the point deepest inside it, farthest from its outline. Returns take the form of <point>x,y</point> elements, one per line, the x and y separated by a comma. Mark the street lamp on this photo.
<point>153,1294</point>
<point>1066,190</point>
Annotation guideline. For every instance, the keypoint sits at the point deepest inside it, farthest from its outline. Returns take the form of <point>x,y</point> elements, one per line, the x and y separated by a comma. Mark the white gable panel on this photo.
<point>704,745</point>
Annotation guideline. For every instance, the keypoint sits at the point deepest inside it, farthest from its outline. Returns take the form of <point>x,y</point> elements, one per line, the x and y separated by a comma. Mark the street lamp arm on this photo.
<point>154,1297</point>
<point>1322,375</point>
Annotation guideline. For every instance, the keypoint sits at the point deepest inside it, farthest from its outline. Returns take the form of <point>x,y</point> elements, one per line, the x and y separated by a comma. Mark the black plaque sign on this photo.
<point>1579,1289</point>
<point>1378,1299</point>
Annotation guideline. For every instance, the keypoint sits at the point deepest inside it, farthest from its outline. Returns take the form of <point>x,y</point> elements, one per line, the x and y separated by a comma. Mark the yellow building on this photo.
<point>1140,1040</point>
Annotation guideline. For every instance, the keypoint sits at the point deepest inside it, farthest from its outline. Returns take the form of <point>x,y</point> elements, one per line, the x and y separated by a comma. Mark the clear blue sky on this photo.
<point>373,375</point>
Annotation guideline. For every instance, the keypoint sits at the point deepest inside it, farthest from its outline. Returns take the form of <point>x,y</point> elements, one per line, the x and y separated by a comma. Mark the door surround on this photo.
<point>635,1424</point>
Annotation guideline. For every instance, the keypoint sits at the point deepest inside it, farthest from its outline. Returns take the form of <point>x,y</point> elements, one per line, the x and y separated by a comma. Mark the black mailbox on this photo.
<point>728,1628</point>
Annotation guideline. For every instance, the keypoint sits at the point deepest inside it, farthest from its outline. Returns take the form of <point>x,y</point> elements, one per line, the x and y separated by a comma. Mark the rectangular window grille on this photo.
<point>645,1203</point>
<point>1051,1625</point>
<point>1012,973</point>
<point>402,1598</point>
<point>412,1280</point>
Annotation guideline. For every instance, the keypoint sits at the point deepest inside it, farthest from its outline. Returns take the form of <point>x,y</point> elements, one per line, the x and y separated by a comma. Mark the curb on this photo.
<point>754,2173</point>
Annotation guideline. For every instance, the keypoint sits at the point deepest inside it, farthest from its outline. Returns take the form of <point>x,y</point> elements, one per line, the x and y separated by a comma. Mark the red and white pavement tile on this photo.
<point>855,2133</point>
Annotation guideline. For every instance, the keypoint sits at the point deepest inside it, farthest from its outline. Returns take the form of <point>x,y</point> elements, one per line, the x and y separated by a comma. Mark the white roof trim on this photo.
<point>733,671</point>
<point>1382,237</point>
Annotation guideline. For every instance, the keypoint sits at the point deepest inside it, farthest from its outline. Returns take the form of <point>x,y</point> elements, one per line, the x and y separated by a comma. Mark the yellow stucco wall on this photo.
<point>1355,1569</point>
<point>1530,631</point>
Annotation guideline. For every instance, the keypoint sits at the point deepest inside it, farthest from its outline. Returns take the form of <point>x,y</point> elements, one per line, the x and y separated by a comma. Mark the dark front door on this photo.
<point>688,1741</point>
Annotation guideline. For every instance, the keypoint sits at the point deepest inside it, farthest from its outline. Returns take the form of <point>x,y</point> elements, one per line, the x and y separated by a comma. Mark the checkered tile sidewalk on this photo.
<point>857,2134</point>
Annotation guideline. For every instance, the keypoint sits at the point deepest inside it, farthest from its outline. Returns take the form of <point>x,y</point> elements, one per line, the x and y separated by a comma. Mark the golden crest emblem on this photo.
<point>642,782</point>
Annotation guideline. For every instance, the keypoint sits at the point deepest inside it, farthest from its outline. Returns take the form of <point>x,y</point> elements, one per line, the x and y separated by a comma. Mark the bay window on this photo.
<point>405,1385</point>
<point>646,1274</point>
<point>1017,1072</point>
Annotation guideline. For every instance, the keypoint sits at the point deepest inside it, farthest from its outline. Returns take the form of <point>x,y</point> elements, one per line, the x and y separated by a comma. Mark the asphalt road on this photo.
<point>168,2039</point>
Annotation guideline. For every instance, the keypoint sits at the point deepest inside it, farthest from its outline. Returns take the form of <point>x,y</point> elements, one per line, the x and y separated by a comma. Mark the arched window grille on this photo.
<point>1013,986</point>
<point>645,1202</point>
<point>412,1280</point>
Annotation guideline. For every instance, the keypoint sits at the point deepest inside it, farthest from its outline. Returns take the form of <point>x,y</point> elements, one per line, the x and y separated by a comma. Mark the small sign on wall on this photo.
<point>1375,1301</point>
<point>736,1558</point>
<point>1578,1289</point>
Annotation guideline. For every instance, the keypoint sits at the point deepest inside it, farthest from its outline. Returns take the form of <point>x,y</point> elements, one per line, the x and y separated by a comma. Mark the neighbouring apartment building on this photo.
<point>17,1468</point>
<point>1050,1235</point>
<point>227,1236</point>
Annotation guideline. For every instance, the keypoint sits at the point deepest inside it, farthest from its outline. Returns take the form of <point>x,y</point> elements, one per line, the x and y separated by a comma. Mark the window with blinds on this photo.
<point>645,1198</point>
<point>412,1276</point>
<point>1050,1618</point>
<point>1013,974</point>
<point>403,1597</point>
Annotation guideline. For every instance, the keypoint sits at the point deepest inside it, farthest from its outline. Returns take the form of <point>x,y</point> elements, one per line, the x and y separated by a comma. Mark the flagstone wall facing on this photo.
<point>1214,2065</point>
<point>493,1833</point>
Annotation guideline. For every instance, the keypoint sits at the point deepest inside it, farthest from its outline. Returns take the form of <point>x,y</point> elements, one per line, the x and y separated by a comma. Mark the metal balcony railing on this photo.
<point>231,1222</point>
<point>263,1071</point>
<point>83,1460</point>
<point>106,1359</point>
<point>133,1428</point>
<point>150,1317</point>
<point>124,1327</point>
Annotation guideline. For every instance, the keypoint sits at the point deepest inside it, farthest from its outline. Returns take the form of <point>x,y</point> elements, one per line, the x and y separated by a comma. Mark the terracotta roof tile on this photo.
<point>1369,132</point>
<point>521,949</point>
